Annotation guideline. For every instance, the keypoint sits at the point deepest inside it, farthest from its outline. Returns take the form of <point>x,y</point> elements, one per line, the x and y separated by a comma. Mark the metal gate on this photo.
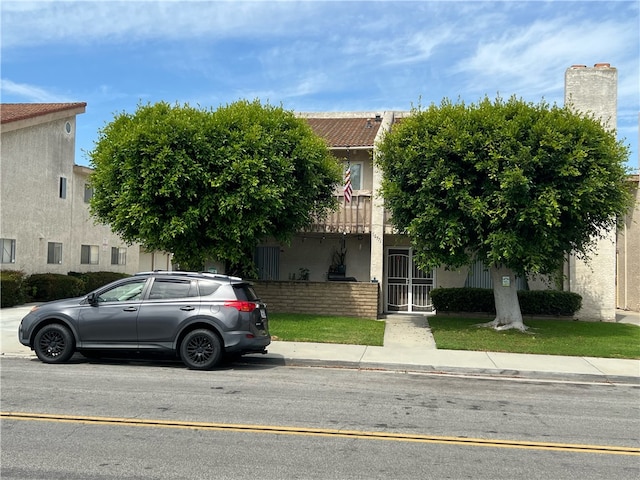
<point>408,287</point>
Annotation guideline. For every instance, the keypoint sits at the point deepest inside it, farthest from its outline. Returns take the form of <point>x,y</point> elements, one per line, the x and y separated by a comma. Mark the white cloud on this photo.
<point>529,58</point>
<point>34,23</point>
<point>31,93</point>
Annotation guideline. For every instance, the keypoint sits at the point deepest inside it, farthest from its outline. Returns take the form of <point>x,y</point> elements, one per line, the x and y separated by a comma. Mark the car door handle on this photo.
<point>187,309</point>
<point>130,309</point>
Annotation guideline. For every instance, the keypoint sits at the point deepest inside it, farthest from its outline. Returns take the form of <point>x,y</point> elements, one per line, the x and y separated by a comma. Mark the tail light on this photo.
<point>241,306</point>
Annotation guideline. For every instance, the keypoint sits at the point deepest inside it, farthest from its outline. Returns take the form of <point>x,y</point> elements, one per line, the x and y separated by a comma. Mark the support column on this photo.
<point>377,216</point>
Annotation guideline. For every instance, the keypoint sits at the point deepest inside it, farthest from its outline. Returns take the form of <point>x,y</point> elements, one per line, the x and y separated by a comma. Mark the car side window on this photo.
<point>207,287</point>
<point>165,289</point>
<point>123,293</point>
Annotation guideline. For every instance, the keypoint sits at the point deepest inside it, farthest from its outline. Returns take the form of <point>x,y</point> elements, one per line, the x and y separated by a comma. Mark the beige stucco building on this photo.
<point>45,226</point>
<point>374,252</point>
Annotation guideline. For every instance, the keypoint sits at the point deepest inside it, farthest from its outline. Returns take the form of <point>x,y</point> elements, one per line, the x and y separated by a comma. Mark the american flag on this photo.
<point>348,189</point>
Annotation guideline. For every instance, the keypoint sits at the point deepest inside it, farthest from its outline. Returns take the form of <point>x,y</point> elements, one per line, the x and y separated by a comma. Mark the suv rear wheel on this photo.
<point>201,349</point>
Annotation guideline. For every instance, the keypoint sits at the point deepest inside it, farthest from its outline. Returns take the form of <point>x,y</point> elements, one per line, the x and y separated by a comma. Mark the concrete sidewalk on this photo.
<point>409,346</point>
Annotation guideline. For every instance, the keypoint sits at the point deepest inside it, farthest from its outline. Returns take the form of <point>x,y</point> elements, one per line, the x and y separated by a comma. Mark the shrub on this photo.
<point>54,286</point>
<point>463,300</point>
<point>532,302</point>
<point>12,288</point>
<point>94,280</point>
<point>549,302</point>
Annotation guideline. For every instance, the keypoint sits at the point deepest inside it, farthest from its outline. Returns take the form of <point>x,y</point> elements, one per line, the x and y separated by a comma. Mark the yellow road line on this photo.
<point>325,432</point>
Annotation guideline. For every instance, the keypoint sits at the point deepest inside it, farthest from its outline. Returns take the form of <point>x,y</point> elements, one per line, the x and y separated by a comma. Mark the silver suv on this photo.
<point>197,316</point>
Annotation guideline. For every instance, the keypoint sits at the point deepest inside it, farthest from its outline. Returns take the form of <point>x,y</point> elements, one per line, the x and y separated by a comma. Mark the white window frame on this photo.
<point>118,256</point>
<point>88,193</point>
<point>89,255</point>
<point>62,187</point>
<point>8,246</point>
<point>358,177</point>
<point>54,253</point>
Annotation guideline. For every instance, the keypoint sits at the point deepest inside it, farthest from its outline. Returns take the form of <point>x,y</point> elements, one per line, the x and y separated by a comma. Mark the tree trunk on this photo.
<point>505,294</point>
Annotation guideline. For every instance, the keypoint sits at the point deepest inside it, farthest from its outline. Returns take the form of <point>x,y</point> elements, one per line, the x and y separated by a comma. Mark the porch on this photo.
<point>350,217</point>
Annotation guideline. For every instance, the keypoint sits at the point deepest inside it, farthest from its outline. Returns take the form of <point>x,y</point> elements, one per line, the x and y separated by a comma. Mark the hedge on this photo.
<point>95,280</point>
<point>12,288</point>
<point>46,287</point>
<point>480,300</point>
<point>17,288</point>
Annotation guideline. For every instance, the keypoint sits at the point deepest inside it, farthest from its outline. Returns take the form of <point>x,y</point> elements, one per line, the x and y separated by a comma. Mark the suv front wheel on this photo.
<point>54,343</point>
<point>201,349</point>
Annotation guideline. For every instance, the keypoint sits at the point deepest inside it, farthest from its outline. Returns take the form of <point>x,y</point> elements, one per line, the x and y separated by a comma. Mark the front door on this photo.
<point>408,287</point>
<point>112,320</point>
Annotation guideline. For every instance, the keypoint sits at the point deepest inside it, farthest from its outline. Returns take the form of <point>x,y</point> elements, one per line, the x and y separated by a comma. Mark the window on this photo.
<point>479,276</point>
<point>89,254</point>
<point>356,175</point>
<point>88,193</point>
<point>54,252</point>
<point>8,250</point>
<point>123,293</point>
<point>167,289</point>
<point>118,256</point>
<point>63,187</point>
<point>267,260</point>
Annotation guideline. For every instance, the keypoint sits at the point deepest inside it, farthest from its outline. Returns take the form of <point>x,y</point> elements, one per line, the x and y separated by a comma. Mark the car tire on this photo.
<point>201,349</point>
<point>54,343</point>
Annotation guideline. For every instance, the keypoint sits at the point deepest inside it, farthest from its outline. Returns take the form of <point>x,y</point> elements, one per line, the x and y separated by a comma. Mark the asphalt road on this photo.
<point>140,420</point>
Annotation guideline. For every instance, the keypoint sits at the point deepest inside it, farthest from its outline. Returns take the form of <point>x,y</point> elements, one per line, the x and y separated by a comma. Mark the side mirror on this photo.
<point>92,298</point>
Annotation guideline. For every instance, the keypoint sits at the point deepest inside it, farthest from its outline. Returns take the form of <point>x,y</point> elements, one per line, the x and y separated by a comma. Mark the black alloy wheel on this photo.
<point>201,349</point>
<point>54,344</point>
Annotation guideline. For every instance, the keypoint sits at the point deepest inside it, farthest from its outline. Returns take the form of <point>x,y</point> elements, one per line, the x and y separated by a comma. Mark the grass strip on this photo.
<point>293,327</point>
<point>545,336</point>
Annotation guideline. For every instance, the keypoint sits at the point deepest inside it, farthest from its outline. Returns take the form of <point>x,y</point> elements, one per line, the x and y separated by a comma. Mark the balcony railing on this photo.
<point>351,217</point>
<point>388,224</point>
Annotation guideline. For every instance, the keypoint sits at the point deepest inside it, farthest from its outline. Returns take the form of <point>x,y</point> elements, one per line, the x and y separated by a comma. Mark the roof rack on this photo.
<point>192,274</point>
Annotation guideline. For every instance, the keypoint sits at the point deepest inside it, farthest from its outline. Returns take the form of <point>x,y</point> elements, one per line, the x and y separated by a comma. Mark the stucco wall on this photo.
<point>33,160</point>
<point>315,252</point>
<point>36,153</point>
<point>628,261</point>
<point>351,299</point>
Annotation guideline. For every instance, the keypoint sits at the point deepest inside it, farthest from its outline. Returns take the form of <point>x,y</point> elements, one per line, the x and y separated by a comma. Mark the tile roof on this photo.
<point>346,132</point>
<point>12,112</point>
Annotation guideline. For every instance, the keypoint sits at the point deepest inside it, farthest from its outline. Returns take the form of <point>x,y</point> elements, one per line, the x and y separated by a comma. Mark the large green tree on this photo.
<point>210,183</point>
<point>513,184</point>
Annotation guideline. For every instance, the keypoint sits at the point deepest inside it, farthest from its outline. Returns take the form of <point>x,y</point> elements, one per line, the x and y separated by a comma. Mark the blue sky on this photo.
<point>310,55</point>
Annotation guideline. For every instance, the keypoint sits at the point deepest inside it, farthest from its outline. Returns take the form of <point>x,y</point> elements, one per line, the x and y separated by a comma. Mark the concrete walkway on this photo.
<point>409,346</point>
<point>403,331</point>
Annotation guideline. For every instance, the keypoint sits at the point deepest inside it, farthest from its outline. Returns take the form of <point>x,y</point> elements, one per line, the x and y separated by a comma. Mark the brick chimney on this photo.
<point>595,91</point>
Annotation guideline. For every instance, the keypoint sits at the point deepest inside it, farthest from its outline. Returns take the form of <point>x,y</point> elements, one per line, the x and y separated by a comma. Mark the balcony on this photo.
<point>350,217</point>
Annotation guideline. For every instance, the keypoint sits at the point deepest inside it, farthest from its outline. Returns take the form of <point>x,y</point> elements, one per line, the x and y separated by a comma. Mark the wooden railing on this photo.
<point>351,217</point>
<point>388,225</point>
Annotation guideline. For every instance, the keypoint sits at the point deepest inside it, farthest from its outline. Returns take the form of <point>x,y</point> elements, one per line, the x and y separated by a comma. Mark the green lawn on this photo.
<point>291,327</point>
<point>551,337</point>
